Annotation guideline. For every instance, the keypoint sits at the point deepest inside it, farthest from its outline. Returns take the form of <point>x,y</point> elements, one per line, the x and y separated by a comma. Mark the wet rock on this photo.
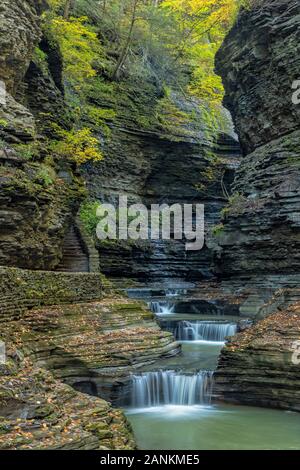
<point>260,366</point>
<point>261,238</point>
<point>261,232</point>
<point>46,414</point>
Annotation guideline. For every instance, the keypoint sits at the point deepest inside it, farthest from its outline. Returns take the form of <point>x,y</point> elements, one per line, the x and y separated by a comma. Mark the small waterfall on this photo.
<point>175,292</point>
<point>171,388</point>
<point>206,331</point>
<point>162,308</point>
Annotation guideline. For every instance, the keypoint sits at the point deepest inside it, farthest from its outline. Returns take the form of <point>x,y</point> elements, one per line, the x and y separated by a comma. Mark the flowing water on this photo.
<point>162,308</point>
<point>172,403</point>
<point>168,387</point>
<point>203,331</point>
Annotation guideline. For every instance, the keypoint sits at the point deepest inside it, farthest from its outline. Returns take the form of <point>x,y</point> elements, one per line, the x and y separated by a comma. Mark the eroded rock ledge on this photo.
<point>39,412</point>
<point>259,61</point>
<point>257,366</point>
<point>68,325</point>
<point>261,224</point>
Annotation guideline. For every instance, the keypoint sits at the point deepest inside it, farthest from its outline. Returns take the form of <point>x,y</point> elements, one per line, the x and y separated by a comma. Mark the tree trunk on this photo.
<point>69,5</point>
<point>125,50</point>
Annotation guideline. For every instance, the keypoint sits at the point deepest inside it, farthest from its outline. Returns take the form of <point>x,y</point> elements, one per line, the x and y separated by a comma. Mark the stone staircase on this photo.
<point>75,257</point>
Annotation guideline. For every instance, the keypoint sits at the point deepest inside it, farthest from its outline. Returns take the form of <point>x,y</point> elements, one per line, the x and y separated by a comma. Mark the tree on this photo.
<point>124,52</point>
<point>69,5</point>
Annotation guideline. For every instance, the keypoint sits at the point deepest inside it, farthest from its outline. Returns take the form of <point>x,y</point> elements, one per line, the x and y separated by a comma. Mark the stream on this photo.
<point>172,402</point>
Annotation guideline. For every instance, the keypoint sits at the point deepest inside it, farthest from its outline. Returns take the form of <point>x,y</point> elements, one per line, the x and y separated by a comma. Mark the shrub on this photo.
<point>45,176</point>
<point>27,151</point>
<point>78,146</point>
<point>79,45</point>
<point>217,230</point>
<point>88,216</point>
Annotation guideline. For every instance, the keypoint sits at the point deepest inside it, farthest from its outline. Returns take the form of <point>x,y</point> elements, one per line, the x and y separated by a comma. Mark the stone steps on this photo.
<point>74,257</point>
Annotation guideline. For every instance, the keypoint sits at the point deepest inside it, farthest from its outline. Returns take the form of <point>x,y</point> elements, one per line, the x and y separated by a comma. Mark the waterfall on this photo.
<point>175,292</point>
<point>171,388</point>
<point>206,331</point>
<point>162,308</point>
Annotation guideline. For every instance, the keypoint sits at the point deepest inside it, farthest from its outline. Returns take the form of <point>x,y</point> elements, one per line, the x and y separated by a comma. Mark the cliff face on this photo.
<point>174,163</point>
<point>261,239</point>
<point>36,203</point>
<point>259,61</point>
<point>20,32</point>
<point>260,365</point>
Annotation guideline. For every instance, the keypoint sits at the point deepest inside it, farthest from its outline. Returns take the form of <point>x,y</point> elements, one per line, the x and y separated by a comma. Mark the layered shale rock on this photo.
<point>150,162</point>
<point>260,240</point>
<point>60,322</point>
<point>65,324</point>
<point>36,207</point>
<point>38,198</point>
<point>259,61</point>
<point>96,346</point>
<point>20,33</point>
<point>260,366</point>
<point>38,412</point>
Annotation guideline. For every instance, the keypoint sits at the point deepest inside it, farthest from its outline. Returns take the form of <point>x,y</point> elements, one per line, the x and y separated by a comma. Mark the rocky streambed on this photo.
<point>179,403</point>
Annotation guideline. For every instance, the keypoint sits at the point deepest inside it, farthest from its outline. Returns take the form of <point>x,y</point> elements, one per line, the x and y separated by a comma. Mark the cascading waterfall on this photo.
<point>202,330</point>
<point>175,292</point>
<point>171,388</point>
<point>163,308</point>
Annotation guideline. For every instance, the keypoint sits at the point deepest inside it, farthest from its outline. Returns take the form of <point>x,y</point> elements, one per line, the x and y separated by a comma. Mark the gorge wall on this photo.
<point>64,333</point>
<point>259,62</point>
<point>151,163</point>
<point>37,200</point>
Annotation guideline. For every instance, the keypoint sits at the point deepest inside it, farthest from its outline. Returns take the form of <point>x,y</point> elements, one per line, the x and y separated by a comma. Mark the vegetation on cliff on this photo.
<point>113,49</point>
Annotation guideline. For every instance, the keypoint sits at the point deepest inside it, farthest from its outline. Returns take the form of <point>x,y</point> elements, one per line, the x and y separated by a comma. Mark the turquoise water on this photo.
<point>201,426</point>
<point>217,427</point>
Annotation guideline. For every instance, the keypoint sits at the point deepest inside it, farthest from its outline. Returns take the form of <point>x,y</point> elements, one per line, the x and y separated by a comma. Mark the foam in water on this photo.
<point>162,308</point>
<point>205,331</point>
<point>153,389</point>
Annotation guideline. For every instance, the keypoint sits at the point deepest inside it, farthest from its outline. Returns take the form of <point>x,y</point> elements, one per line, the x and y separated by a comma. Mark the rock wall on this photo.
<point>259,366</point>
<point>259,61</point>
<point>20,33</point>
<point>38,199</point>
<point>60,322</point>
<point>261,237</point>
<point>154,164</point>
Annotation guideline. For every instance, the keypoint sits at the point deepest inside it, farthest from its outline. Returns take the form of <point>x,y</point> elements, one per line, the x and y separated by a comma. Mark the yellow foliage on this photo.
<point>79,45</point>
<point>203,24</point>
<point>77,145</point>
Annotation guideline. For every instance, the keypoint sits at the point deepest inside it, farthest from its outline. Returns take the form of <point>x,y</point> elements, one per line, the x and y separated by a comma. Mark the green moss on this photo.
<point>217,230</point>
